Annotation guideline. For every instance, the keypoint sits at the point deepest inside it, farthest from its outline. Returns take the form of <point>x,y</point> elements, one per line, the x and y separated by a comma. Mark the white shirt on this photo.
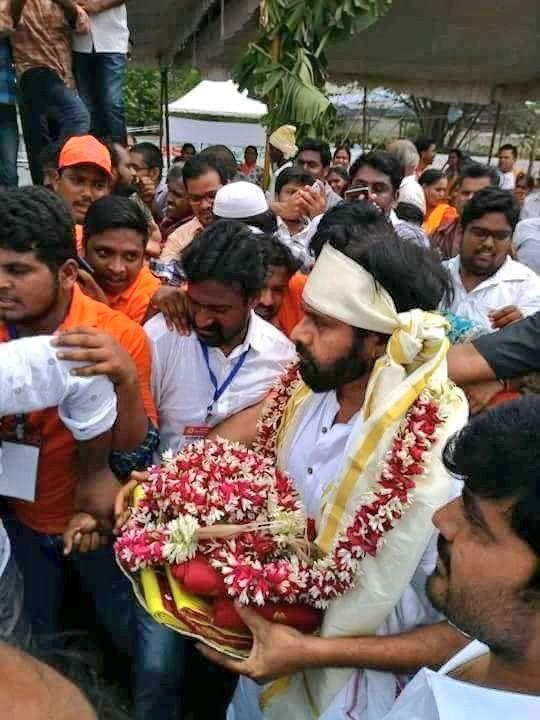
<point>108,33</point>
<point>181,384</point>
<point>526,242</point>
<point>531,206</point>
<point>507,180</point>
<point>299,244</point>
<point>32,378</point>
<point>435,696</point>
<point>317,450</point>
<point>512,284</point>
<point>410,191</point>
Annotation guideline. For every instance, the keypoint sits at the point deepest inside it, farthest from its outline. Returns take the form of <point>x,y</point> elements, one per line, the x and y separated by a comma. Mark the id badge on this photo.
<point>18,469</point>
<point>196,432</point>
<point>19,460</point>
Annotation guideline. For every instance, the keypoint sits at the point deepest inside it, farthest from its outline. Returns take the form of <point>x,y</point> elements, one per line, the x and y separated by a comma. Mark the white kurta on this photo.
<point>181,383</point>
<point>512,284</point>
<point>320,448</point>
<point>32,378</point>
<point>435,696</point>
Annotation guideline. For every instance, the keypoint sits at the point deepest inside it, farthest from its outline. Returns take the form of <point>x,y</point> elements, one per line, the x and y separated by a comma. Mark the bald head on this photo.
<point>31,690</point>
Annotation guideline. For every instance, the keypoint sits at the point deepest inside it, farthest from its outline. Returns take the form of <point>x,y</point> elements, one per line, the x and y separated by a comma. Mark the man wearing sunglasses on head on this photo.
<point>491,288</point>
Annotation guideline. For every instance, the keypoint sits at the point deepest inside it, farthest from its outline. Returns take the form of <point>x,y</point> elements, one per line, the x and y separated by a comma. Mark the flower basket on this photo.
<point>217,522</point>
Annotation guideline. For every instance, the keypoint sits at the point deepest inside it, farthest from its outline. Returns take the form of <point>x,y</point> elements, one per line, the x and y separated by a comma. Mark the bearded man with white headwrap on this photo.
<point>369,352</point>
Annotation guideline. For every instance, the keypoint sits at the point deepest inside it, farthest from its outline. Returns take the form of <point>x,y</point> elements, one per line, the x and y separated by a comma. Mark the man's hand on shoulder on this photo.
<point>172,302</point>
<point>102,352</point>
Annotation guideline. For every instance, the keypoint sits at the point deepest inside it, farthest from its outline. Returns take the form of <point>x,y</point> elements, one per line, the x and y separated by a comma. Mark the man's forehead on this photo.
<point>86,168</point>
<point>213,292</point>
<point>27,257</point>
<point>121,239</point>
<point>310,155</point>
<point>368,174</point>
<point>310,310</point>
<point>495,220</point>
<point>209,178</point>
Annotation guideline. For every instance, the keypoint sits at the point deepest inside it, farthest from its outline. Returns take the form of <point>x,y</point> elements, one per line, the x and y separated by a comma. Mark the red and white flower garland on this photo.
<point>214,482</point>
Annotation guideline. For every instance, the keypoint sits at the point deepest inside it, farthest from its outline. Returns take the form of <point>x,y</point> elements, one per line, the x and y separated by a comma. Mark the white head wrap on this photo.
<point>342,289</point>
<point>284,139</point>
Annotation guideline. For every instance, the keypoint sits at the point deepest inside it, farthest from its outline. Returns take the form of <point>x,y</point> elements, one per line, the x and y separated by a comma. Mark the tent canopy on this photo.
<point>217,112</point>
<point>218,99</point>
<point>456,50</point>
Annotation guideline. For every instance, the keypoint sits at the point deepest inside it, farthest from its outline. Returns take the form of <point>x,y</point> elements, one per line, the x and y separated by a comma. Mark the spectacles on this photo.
<point>198,199</point>
<point>138,168</point>
<point>497,235</point>
<point>376,188</point>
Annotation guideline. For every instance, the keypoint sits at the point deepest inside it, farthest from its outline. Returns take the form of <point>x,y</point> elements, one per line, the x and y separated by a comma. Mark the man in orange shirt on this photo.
<point>39,295</point>
<point>84,176</point>
<point>280,302</point>
<point>115,237</point>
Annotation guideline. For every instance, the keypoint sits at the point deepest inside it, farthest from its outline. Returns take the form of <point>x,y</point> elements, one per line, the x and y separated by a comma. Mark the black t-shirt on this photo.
<point>514,350</point>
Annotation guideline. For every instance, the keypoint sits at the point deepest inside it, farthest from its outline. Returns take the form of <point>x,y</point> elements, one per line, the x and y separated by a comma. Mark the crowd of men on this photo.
<point>139,313</point>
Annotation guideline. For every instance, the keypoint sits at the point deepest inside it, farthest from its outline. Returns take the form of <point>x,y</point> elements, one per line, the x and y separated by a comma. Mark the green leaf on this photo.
<point>294,88</point>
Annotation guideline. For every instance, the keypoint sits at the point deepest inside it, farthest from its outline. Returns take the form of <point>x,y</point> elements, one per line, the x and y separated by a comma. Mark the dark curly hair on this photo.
<point>491,200</point>
<point>382,161</point>
<point>277,254</point>
<point>414,276</point>
<point>316,145</point>
<point>35,219</point>
<point>430,177</point>
<point>229,253</point>
<point>115,213</point>
<point>497,455</point>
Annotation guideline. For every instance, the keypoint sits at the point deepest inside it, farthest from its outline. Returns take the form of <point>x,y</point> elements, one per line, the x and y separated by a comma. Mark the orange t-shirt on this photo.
<point>57,469</point>
<point>290,312</point>
<point>134,301</point>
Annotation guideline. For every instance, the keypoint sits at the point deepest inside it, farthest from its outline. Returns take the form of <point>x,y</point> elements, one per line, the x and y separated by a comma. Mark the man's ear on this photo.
<point>253,301</point>
<point>375,345</point>
<point>67,274</point>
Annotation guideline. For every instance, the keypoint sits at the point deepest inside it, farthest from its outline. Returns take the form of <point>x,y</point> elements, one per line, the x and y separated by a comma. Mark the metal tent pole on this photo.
<point>494,133</point>
<point>165,83</point>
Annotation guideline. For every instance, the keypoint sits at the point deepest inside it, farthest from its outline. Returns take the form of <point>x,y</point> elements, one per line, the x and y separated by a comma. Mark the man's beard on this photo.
<point>123,189</point>
<point>216,336</point>
<point>437,594</point>
<point>324,378</point>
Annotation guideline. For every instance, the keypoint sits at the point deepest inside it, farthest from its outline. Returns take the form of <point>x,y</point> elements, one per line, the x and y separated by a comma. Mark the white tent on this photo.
<point>217,113</point>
